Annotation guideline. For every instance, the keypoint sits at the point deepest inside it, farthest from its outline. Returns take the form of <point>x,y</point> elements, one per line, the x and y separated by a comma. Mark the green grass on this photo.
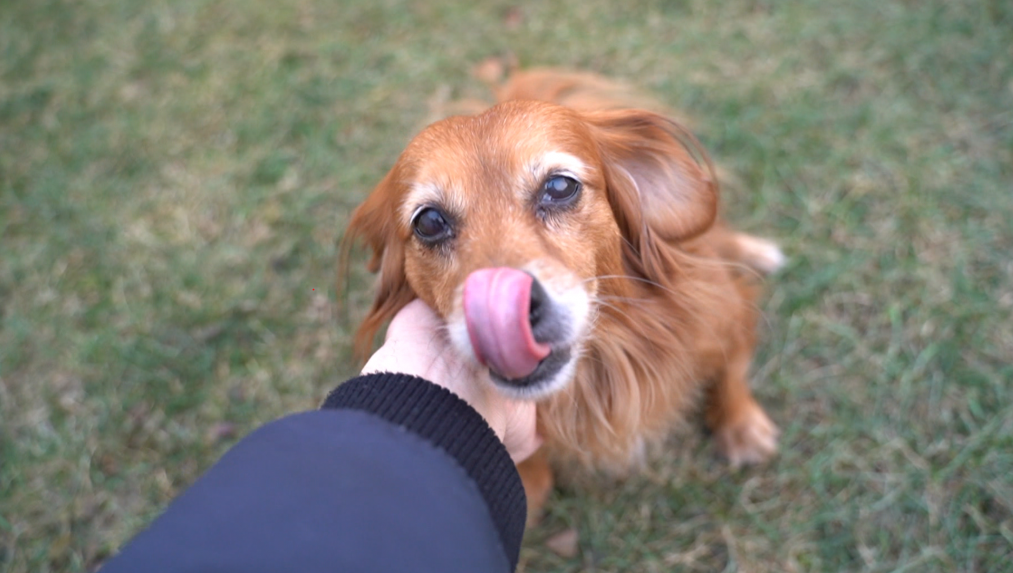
<point>174,177</point>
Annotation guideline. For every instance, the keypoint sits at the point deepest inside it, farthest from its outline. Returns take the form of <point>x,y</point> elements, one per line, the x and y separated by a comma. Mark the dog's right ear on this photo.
<point>373,222</point>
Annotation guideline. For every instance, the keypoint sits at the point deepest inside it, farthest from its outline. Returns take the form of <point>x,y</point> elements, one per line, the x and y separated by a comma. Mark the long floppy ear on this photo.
<point>660,183</point>
<point>373,222</point>
<point>677,191</point>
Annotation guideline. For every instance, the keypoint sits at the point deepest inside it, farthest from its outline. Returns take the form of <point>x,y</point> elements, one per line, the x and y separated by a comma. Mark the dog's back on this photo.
<point>581,91</point>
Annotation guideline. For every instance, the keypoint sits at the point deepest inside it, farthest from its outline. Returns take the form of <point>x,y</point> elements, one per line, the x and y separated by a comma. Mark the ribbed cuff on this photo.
<point>447,421</point>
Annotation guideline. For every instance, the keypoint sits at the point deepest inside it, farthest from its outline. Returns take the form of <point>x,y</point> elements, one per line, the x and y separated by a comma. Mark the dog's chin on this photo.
<point>552,374</point>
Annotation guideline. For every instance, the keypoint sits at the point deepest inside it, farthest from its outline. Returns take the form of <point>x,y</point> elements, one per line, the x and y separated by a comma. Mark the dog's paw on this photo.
<point>749,439</point>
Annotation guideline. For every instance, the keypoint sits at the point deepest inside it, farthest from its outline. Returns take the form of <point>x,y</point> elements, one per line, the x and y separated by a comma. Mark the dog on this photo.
<point>570,240</point>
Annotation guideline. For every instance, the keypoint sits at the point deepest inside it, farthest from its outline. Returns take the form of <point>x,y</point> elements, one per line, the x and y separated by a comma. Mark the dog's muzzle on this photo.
<point>514,327</point>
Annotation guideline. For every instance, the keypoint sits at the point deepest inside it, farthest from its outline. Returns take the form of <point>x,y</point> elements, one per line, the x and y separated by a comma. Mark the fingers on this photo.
<point>416,316</point>
<point>526,448</point>
<point>412,345</point>
<point>520,435</point>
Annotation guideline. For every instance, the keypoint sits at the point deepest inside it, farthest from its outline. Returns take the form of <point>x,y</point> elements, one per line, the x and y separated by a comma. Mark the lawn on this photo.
<point>175,176</point>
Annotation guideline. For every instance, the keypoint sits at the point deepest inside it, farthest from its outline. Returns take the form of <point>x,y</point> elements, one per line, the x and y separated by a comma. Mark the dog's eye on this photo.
<point>559,189</point>
<point>430,225</point>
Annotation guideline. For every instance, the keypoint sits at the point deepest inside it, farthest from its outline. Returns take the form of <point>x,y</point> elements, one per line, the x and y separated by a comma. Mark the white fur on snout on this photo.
<point>571,305</point>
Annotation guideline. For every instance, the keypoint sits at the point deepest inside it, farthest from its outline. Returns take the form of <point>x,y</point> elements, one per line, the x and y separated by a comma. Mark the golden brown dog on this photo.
<point>573,247</point>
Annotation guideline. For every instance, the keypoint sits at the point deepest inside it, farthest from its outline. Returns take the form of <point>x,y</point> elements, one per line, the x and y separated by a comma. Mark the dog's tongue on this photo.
<point>496,305</point>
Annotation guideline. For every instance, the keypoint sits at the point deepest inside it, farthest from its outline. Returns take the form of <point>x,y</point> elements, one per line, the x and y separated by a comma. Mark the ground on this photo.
<point>174,177</point>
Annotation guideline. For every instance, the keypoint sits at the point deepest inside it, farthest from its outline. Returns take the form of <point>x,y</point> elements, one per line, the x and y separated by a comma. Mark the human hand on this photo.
<point>416,343</point>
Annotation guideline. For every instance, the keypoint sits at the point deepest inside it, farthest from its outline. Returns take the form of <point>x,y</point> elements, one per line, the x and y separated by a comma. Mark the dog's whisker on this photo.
<point>600,302</point>
<point>632,278</point>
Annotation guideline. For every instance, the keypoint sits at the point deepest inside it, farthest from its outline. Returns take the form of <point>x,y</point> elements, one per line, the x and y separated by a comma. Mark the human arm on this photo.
<point>357,488</point>
<point>394,474</point>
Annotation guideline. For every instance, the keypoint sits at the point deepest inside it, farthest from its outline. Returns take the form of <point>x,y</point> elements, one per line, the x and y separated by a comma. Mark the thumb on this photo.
<point>521,433</point>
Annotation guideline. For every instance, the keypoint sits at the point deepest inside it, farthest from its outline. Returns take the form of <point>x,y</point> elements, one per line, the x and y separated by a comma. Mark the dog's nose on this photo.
<point>538,300</point>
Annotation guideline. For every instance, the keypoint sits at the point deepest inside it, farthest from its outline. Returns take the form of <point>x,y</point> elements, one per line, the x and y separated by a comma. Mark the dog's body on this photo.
<point>573,247</point>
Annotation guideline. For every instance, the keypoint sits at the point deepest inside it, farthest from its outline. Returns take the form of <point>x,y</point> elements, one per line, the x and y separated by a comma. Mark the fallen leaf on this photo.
<point>490,70</point>
<point>564,543</point>
<point>220,431</point>
<point>513,18</point>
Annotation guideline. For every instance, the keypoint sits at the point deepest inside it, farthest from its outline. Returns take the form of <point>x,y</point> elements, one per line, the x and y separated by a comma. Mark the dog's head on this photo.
<point>514,223</point>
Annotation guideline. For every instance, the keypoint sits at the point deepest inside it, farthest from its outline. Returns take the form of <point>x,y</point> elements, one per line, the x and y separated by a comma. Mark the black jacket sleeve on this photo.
<point>392,474</point>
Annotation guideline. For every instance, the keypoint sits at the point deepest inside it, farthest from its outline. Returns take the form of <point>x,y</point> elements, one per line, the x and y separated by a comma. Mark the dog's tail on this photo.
<point>759,254</point>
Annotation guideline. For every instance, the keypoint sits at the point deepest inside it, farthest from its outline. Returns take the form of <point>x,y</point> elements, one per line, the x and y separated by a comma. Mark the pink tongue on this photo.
<point>496,304</point>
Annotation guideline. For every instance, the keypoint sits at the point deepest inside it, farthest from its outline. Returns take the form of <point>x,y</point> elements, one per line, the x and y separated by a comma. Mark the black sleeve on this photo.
<point>393,474</point>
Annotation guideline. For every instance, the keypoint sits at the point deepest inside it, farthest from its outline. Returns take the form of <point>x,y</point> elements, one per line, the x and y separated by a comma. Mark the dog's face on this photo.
<point>509,223</point>
<point>507,212</point>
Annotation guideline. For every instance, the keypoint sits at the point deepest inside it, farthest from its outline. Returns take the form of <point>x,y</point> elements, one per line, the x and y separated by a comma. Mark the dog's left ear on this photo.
<point>658,175</point>
<point>374,223</point>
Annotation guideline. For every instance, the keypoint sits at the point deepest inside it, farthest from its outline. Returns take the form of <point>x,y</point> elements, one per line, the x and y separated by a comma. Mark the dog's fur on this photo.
<point>657,293</point>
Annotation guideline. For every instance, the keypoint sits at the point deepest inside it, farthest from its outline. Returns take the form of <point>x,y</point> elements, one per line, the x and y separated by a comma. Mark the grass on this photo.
<point>174,177</point>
